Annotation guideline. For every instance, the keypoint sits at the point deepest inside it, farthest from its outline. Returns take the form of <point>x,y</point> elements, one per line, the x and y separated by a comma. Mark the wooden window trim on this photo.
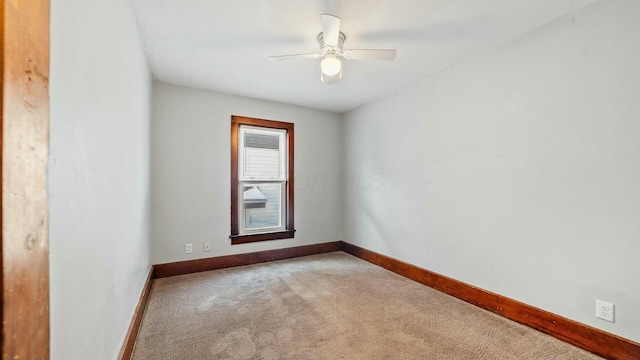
<point>236,237</point>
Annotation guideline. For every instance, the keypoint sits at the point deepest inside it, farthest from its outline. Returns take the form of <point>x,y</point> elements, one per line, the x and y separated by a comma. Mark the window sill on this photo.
<point>249,238</point>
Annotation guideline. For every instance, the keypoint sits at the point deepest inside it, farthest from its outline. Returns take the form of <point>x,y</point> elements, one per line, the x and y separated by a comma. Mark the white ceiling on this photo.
<point>223,45</point>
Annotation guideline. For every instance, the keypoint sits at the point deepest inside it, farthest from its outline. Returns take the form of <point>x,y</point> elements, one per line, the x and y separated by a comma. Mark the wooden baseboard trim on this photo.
<point>130,339</point>
<point>586,337</point>
<point>192,266</point>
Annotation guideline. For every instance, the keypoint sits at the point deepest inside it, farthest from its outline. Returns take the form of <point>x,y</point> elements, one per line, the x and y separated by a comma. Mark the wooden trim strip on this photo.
<point>24,50</point>
<point>130,339</point>
<point>235,225</point>
<point>290,179</point>
<point>2,55</point>
<point>192,266</point>
<point>244,239</point>
<point>261,122</point>
<point>586,337</point>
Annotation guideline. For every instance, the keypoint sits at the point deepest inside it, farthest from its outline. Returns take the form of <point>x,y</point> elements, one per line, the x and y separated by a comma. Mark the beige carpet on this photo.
<point>330,306</point>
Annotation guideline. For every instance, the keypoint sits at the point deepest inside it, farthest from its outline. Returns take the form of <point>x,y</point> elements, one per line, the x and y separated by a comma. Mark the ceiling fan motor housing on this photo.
<point>331,50</point>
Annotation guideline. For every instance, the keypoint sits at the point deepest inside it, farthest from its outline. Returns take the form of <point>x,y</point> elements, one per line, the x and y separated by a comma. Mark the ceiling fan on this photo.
<point>331,42</point>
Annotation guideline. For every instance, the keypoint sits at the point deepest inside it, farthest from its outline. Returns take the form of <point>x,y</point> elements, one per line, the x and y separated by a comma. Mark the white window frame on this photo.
<point>243,180</point>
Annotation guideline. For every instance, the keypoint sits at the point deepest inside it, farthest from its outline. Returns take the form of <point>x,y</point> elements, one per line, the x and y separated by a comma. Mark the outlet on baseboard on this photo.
<point>605,310</point>
<point>188,249</point>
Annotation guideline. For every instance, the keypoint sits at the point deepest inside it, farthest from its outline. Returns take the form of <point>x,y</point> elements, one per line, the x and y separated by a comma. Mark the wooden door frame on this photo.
<point>24,111</point>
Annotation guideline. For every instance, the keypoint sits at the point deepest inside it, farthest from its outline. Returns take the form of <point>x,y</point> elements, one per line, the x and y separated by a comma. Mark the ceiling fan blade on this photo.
<point>370,54</point>
<point>330,29</point>
<point>295,56</point>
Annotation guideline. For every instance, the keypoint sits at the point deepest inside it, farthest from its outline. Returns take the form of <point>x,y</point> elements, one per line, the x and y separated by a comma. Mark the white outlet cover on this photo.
<point>605,310</point>
<point>207,246</point>
<point>188,248</point>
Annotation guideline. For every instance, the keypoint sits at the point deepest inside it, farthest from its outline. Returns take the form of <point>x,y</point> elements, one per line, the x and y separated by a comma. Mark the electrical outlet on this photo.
<point>604,310</point>
<point>188,248</point>
<point>207,246</point>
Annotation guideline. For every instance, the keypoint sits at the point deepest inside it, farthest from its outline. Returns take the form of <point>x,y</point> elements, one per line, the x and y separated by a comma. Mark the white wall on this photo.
<point>191,164</point>
<point>98,176</point>
<point>517,171</point>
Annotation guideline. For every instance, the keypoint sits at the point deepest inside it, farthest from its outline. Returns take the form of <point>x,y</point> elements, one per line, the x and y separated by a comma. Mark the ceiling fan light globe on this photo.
<point>330,66</point>
<point>329,80</point>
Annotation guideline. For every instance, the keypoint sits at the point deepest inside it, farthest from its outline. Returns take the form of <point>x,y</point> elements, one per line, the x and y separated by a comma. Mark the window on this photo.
<point>261,180</point>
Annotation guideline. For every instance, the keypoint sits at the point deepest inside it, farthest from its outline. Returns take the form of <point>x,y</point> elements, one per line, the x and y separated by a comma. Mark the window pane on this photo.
<point>263,154</point>
<point>262,206</point>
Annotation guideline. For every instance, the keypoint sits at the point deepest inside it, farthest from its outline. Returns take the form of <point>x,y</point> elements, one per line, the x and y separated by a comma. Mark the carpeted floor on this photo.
<point>330,306</point>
